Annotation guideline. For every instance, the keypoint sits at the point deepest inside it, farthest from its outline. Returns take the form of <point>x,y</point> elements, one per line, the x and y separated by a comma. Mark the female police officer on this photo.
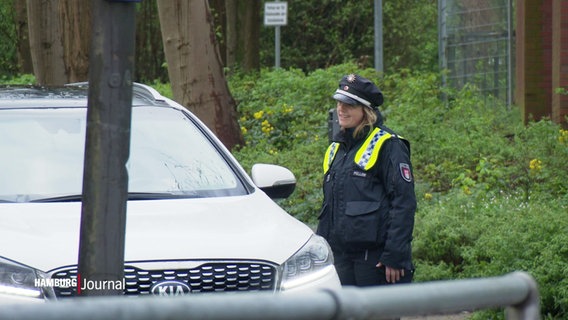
<point>369,202</point>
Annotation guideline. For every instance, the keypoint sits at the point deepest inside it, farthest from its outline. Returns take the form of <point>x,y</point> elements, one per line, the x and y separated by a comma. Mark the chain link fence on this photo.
<point>476,46</point>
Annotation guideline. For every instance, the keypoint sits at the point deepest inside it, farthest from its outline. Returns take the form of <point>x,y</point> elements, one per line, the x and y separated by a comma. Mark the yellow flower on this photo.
<point>266,127</point>
<point>563,137</point>
<point>244,130</point>
<point>427,196</point>
<point>258,115</point>
<point>535,165</point>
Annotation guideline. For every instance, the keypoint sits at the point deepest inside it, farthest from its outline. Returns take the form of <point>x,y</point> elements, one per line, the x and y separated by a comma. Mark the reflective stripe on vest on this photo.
<point>329,155</point>
<point>366,156</point>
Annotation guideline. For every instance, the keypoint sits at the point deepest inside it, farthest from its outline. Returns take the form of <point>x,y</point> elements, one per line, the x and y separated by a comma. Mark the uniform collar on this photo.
<point>346,136</point>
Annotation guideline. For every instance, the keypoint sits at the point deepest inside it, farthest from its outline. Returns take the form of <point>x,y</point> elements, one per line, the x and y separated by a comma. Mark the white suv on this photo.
<point>196,222</point>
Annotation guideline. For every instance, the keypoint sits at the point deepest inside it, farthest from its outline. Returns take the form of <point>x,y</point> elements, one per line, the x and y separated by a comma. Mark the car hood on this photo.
<point>46,235</point>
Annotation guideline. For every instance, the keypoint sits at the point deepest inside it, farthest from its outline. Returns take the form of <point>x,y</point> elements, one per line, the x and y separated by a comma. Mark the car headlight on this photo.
<point>23,281</point>
<point>313,261</point>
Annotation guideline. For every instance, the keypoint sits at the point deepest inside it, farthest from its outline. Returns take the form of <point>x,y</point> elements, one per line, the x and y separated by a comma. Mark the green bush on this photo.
<point>492,192</point>
<point>25,79</point>
<point>8,45</point>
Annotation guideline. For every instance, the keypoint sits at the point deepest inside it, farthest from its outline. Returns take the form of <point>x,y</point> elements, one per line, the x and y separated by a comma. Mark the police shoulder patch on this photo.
<point>405,172</point>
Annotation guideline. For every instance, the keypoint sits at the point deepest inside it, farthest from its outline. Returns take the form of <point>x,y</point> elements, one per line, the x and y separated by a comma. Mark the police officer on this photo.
<point>369,203</point>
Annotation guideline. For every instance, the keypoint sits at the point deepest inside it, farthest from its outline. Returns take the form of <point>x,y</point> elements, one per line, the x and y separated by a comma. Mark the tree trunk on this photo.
<point>45,42</point>
<point>24,52</point>
<point>231,33</point>
<point>218,12</point>
<point>149,50</point>
<point>195,69</point>
<point>251,35</point>
<point>75,17</point>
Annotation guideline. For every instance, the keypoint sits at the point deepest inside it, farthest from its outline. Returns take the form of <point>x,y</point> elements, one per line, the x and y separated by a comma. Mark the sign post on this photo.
<point>379,66</point>
<point>276,14</point>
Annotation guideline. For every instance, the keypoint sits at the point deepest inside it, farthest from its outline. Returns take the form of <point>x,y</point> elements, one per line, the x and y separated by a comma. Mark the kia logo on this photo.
<point>170,288</point>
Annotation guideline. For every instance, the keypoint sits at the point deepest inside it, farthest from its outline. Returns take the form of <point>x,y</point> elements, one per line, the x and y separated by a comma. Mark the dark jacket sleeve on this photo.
<point>396,174</point>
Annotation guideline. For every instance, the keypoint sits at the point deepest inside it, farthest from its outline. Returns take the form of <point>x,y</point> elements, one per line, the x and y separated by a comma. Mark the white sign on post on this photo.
<point>275,13</point>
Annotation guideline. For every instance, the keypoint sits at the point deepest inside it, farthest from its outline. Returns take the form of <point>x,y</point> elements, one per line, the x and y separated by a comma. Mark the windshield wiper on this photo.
<point>161,195</point>
<point>65,198</point>
<point>131,196</point>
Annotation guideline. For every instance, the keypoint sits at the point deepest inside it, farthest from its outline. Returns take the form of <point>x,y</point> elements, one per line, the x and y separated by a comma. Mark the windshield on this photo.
<point>42,155</point>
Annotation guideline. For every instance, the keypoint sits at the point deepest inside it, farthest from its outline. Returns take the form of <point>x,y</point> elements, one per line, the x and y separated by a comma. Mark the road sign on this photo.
<point>275,13</point>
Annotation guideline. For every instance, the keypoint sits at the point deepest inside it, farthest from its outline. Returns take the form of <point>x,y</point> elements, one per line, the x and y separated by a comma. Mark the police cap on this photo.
<point>354,89</point>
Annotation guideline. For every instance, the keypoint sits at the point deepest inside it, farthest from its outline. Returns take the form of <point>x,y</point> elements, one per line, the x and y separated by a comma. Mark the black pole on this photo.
<point>107,147</point>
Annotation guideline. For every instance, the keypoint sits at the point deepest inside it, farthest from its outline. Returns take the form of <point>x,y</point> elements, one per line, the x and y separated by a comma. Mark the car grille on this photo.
<point>208,277</point>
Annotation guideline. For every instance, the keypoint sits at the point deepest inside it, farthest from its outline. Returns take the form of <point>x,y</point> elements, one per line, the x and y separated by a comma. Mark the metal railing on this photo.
<point>517,292</point>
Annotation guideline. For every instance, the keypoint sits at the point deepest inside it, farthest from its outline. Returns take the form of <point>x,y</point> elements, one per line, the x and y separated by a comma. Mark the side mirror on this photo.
<point>276,181</point>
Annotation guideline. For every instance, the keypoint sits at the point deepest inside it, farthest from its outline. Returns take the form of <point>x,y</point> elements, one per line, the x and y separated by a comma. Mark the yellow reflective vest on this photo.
<point>366,156</point>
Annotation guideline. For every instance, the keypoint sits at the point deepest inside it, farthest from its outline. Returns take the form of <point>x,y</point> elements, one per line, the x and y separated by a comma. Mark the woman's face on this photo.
<point>349,116</point>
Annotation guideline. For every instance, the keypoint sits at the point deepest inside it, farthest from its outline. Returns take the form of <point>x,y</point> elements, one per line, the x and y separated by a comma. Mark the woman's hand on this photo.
<point>393,275</point>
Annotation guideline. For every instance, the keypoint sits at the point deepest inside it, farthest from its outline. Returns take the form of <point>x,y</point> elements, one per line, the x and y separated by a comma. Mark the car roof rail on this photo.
<point>147,92</point>
<point>138,89</point>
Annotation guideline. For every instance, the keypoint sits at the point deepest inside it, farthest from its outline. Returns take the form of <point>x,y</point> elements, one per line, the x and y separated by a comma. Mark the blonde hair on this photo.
<point>369,119</point>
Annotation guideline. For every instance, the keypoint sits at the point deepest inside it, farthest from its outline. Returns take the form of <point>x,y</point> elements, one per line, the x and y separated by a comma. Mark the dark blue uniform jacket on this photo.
<point>374,209</point>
